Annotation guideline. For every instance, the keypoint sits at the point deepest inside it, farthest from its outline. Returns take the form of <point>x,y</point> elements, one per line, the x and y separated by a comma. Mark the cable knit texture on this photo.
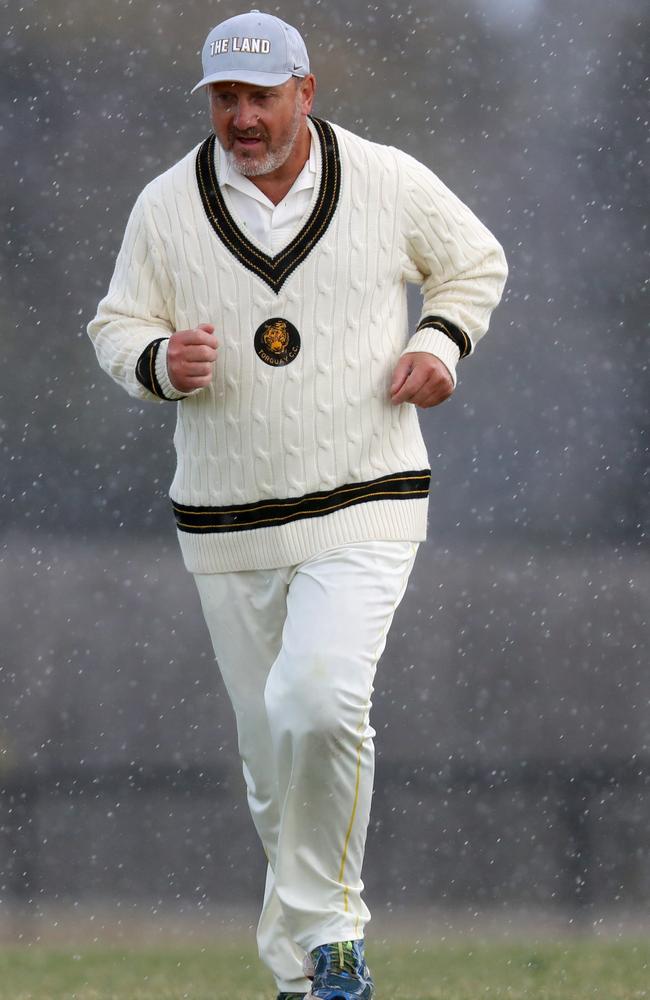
<point>259,432</point>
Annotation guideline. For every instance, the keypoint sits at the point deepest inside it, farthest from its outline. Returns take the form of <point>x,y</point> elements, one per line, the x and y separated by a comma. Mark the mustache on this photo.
<point>249,133</point>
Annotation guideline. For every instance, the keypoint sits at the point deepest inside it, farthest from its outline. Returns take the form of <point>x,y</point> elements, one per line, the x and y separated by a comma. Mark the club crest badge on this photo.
<point>277,342</point>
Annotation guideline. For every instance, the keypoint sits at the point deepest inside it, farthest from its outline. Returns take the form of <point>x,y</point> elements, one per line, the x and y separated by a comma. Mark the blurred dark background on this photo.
<point>512,703</point>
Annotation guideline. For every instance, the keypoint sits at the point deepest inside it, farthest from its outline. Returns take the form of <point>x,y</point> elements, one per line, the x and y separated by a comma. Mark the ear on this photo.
<point>307,93</point>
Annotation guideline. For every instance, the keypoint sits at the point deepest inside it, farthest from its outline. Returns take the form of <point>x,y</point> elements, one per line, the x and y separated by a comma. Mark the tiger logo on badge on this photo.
<point>277,342</point>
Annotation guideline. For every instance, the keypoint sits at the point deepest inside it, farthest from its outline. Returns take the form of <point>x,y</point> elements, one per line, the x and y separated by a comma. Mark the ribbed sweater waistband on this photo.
<point>295,541</point>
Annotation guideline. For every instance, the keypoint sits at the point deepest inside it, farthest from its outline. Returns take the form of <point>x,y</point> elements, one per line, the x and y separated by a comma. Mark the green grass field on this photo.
<point>575,970</point>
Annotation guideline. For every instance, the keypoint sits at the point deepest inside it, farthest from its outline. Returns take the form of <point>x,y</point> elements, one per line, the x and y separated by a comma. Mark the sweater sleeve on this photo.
<point>131,330</point>
<point>458,263</point>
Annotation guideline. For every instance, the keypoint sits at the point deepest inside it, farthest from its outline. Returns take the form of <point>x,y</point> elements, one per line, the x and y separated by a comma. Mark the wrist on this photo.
<point>164,378</point>
<point>432,341</point>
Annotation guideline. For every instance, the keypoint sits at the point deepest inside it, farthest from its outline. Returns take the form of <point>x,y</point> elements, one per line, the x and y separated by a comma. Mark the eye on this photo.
<point>223,101</point>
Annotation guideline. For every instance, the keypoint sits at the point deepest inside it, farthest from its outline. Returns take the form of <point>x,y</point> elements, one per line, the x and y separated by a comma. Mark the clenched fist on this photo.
<point>421,378</point>
<point>190,357</point>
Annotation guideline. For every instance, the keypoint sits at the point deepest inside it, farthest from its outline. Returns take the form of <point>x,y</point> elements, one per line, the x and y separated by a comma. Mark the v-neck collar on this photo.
<point>275,270</point>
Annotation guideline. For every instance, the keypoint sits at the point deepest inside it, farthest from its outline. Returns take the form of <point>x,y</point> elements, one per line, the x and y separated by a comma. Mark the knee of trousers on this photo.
<point>311,697</point>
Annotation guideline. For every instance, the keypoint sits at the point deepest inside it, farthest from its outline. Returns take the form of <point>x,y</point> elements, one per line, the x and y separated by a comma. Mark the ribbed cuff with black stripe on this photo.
<point>459,337</point>
<point>145,369</point>
<point>151,372</point>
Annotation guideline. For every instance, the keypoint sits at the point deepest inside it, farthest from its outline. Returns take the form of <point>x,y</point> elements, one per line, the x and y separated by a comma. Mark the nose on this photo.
<point>245,115</point>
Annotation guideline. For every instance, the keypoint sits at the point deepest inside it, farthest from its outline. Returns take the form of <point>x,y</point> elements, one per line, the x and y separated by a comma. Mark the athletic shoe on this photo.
<point>291,996</point>
<point>340,972</point>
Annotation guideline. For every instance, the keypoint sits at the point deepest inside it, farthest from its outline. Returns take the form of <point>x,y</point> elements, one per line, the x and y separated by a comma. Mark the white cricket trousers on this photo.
<point>297,648</point>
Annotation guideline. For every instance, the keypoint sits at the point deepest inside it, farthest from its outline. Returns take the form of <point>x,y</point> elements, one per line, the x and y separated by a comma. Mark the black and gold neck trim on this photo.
<point>273,270</point>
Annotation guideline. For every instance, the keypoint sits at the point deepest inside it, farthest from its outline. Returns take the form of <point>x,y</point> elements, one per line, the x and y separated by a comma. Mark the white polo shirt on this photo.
<point>271,226</point>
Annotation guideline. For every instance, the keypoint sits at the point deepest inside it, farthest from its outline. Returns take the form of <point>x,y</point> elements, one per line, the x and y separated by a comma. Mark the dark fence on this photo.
<point>571,833</point>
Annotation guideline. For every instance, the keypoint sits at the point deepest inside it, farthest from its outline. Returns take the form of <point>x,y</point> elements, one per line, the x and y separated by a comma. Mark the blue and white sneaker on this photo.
<point>340,972</point>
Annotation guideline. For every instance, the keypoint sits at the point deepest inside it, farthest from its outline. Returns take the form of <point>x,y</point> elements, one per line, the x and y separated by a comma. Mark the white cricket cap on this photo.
<point>253,48</point>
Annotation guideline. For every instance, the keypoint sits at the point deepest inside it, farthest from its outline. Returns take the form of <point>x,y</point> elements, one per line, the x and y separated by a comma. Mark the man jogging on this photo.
<point>261,284</point>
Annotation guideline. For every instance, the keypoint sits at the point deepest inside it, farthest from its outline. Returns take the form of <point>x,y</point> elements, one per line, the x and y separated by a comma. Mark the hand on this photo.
<point>421,378</point>
<point>190,357</point>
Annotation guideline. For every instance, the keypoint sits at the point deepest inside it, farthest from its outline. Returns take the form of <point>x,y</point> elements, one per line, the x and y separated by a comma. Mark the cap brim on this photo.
<point>235,76</point>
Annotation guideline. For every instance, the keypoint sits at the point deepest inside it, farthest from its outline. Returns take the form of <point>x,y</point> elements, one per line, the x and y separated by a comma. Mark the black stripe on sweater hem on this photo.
<point>272,270</point>
<point>459,337</point>
<point>270,513</point>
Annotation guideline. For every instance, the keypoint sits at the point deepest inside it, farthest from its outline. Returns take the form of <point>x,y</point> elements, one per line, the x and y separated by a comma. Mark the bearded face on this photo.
<point>257,126</point>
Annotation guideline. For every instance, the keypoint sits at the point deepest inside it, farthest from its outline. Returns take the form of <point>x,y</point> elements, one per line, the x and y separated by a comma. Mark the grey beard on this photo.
<point>255,168</point>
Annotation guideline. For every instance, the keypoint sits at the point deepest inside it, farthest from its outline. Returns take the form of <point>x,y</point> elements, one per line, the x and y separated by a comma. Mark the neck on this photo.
<point>276,184</point>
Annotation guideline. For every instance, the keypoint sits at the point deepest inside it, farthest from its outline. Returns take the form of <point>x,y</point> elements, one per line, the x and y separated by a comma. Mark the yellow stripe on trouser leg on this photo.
<point>349,830</point>
<point>339,608</point>
<point>377,655</point>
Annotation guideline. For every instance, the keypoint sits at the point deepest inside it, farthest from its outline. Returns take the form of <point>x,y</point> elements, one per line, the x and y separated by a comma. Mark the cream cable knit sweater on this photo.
<point>294,447</point>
